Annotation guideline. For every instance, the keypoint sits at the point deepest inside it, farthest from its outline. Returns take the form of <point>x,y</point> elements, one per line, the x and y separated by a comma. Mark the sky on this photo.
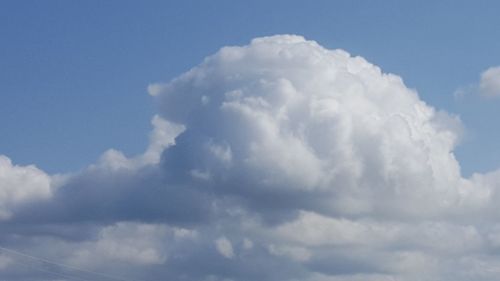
<point>249,140</point>
<point>64,63</point>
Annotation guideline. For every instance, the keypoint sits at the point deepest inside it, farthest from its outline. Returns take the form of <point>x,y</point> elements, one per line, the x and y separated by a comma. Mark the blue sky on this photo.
<point>74,74</point>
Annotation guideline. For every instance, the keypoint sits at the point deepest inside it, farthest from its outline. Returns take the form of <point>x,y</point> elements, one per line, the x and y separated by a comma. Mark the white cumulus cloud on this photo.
<point>20,184</point>
<point>489,85</point>
<point>278,160</point>
<point>298,118</point>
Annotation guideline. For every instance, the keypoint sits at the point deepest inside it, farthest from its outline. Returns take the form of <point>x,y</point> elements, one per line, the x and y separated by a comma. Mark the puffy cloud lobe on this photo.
<point>129,243</point>
<point>20,184</point>
<point>279,160</point>
<point>489,85</point>
<point>224,247</point>
<point>162,136</point>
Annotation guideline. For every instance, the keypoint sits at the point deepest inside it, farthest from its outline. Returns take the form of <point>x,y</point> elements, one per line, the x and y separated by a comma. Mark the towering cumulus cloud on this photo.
<point>279,160</point>
<point>318,128</point>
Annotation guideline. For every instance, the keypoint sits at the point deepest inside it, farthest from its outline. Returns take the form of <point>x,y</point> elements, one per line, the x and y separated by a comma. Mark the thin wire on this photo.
<point>33,266</point>
<point>60,274</point>
<point>64,265</point>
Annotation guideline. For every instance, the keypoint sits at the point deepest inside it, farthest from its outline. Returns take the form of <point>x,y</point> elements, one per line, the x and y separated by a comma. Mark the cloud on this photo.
<point>318,126</point>
<point>124,242</point>
<point>278,160</point>
<point>224,247</point>
<point>4,262</point>
<point>162,136</point>
<point>20,185</point>
<point>489,85</point>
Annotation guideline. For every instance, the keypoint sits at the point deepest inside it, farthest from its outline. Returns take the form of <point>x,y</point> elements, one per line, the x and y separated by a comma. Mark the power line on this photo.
<point>32,265</point>
<point>11,251</point>
<point>69,277</point>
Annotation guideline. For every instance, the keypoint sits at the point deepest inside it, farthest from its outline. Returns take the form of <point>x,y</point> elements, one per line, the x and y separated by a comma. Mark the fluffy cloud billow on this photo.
<point>278,160</point>
<point>20,185</point>
<point>489,85</point>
